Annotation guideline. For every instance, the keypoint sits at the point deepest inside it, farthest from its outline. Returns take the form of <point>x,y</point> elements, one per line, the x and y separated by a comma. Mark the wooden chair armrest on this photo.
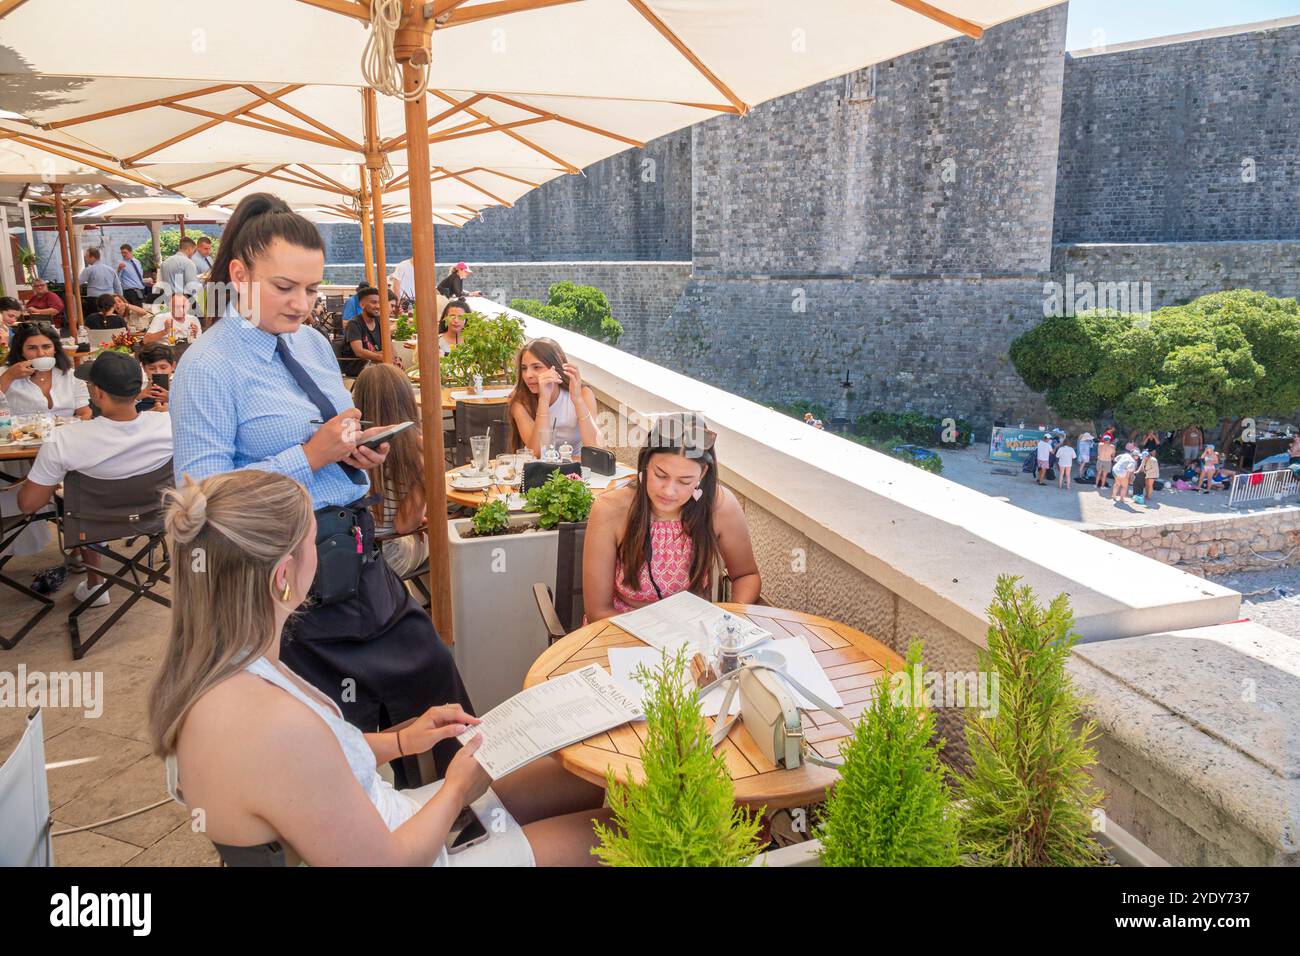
<point>546,607</point>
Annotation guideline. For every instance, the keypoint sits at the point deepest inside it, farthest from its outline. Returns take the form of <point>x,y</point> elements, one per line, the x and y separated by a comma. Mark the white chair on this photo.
<point>101,337</point>
<point>25,801</point>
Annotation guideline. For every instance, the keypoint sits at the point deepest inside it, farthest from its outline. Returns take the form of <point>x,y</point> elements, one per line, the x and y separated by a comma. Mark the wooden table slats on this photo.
<point>853,662</point>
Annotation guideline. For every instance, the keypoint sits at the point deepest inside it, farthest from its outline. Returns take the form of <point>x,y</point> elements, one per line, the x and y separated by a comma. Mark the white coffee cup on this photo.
<point>44,363</point>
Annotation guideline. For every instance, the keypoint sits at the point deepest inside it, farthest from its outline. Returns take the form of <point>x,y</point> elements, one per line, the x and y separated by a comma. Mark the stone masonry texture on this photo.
<point>899,224</point>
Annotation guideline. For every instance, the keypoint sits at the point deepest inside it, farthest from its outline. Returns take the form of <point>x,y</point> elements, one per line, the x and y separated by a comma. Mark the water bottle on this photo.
<point>478,384</point>
<point>83,336</point>
<point>6,420</point>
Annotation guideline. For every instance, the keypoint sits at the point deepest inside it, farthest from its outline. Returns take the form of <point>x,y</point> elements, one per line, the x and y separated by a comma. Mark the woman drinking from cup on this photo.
<point>666,533</point>
<point>452,324</point>
<point>550,403</point>
<point>259,390</point>
<point>271,759</point>
<point>38,379</point>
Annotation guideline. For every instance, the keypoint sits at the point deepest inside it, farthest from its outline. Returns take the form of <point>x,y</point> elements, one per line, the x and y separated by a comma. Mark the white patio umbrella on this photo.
<point>503,76</point>
<point>146,208</point>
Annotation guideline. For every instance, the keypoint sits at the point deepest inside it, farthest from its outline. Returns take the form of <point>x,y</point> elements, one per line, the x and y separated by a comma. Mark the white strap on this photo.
<point>732,680</point>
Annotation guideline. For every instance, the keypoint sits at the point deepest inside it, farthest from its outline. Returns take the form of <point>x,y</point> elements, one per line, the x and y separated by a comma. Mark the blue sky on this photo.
<point>1126,20</point>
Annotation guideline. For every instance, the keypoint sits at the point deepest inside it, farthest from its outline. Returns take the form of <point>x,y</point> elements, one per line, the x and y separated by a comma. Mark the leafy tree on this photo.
<point>684,814</point>
<point>891,806</point>
<point>582,308</point>
<point>1029,799</point>
<point>169,242</point>
<point>487,348</point>
<point>1221,357</point>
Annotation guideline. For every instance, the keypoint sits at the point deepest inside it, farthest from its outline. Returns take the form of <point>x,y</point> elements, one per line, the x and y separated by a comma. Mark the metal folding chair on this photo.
<point>11,526</point>
<point>100,511</point>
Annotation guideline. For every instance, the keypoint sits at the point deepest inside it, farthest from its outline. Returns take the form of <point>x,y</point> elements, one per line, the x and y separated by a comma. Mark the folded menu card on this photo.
<point>683,618</point>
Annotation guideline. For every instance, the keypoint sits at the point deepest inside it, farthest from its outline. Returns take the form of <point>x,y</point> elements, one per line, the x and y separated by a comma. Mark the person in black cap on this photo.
<point>120,443</point>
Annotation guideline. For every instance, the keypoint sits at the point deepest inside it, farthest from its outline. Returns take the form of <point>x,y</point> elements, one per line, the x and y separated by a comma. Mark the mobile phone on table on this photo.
<point>375,441</point>
<point>466,831</point>
<point>162,380</point>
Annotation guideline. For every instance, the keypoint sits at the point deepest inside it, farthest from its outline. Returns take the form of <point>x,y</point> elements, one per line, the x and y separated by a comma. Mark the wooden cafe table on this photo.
<point>852,660</point>
<point>476,499</point>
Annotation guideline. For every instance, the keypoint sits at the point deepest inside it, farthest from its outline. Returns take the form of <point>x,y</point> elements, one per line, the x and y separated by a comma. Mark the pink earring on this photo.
<point>697,494</point>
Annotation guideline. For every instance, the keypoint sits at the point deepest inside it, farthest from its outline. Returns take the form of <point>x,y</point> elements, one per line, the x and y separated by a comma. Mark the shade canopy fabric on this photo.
<point>520,90</point>
<point>748,51</point>
<point>162,208</point>
<point>37,156</point>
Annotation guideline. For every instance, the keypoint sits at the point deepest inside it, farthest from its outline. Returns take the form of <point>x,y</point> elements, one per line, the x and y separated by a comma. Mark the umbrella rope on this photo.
<point>379,64</point>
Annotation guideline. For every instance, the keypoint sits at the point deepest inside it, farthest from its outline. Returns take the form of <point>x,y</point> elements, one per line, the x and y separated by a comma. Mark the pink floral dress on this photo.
<point>670,561</point>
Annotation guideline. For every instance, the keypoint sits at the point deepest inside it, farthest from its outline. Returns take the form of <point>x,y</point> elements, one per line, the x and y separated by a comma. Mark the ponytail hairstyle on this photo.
<point>257,221</point>
<point>686,434</point>
<point>228,532</point>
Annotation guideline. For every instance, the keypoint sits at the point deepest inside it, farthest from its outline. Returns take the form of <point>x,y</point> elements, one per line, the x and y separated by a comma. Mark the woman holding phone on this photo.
<point>248,394</point>
<point>550,397</point>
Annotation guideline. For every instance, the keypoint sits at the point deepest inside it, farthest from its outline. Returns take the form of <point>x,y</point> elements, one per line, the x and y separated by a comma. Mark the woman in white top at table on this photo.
<point>270,758</point>
<point>550,396</point>
<point>38,379</point>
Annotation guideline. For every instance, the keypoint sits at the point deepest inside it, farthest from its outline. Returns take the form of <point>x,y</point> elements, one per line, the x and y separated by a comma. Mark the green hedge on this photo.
<point>914,428</point>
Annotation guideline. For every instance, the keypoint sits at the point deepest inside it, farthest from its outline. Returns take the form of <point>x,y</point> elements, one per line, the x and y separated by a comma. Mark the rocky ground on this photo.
<point>1271,597</point>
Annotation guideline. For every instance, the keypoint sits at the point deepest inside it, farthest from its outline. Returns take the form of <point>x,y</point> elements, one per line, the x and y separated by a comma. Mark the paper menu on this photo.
<point>549,716</point>
<point>800,663</point>
<point>682,618</point>
<point>601,482</point>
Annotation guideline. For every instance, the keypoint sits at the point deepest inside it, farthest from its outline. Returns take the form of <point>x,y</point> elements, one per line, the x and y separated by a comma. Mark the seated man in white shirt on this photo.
<point>177,324</point>
<point>120,443</point>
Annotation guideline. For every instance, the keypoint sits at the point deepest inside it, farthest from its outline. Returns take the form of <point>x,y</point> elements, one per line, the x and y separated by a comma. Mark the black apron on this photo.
<point>377,655</point>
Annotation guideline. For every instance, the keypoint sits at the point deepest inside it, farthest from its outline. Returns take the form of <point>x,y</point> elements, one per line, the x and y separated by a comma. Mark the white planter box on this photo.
<point>1127,850</point>
<point>497,630</point>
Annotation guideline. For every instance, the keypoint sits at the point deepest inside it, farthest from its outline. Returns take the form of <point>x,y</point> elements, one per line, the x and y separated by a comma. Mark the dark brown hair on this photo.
<point>383,394</point>
<point>257,221</point>
<point>26,330</point>
<point>552,356</point>
<point>688,435</point>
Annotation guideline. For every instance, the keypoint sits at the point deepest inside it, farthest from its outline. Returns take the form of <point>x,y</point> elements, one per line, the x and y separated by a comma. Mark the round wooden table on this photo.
<point>449,401</point>
<point>18,452</point>
<point>476,499</point>
<point>852,660</point>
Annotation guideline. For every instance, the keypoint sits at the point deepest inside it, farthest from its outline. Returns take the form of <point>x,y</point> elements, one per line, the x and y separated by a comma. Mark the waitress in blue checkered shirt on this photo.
<point>247,394</point>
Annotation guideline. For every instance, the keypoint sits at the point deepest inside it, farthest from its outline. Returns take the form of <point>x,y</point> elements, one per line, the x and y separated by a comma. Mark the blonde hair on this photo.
<point>226,535</point>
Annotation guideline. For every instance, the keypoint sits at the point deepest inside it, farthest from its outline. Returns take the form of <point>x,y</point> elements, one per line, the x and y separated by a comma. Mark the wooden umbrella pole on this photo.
<point>417,119</point>
<point>374,163</point>
<point>367,249</point>
<point>69,280</point>
<point>381,264</point>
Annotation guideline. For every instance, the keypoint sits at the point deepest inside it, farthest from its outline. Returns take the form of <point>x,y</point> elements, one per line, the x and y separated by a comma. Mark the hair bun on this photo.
<point>188,512</point>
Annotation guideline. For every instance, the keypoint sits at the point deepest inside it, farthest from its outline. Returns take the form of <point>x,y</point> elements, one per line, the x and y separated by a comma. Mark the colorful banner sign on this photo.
<point>1012,444</point>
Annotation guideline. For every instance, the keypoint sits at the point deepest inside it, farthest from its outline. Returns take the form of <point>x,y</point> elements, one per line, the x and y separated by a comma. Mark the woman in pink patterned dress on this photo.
<point>665,533</point>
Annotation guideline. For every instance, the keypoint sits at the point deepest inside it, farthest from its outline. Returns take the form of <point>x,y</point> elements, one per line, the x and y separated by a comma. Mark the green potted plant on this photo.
<point>404,328</point>
<point>561,498</point>
<point>1029,799</point>
<point>892,806</point>
<point>492,519</point>
<point>28,260</point>
<point>487,348</point>
<point>684,812</point>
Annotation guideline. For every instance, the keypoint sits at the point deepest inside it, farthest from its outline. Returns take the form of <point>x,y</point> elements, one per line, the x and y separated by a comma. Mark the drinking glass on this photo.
<point>480,445</point>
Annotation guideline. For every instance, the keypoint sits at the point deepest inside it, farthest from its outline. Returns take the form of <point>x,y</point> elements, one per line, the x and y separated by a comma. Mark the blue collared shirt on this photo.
<point>351,309</point>
<point>99,279</point>
<point>131,274</point>
<point>234,405</point>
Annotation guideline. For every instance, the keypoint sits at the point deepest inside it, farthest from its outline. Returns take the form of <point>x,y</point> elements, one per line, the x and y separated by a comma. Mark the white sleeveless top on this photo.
<point>394,807</point>
<point>564,421</point>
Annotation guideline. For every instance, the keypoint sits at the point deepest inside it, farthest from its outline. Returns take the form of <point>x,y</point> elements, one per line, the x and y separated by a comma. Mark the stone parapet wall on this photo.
<point>1246,542</point>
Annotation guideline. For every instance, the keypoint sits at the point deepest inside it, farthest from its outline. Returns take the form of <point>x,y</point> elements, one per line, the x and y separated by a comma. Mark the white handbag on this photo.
<point>771,713</point>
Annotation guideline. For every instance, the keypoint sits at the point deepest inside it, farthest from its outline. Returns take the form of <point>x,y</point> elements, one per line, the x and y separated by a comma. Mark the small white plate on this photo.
<point>466,483</point>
